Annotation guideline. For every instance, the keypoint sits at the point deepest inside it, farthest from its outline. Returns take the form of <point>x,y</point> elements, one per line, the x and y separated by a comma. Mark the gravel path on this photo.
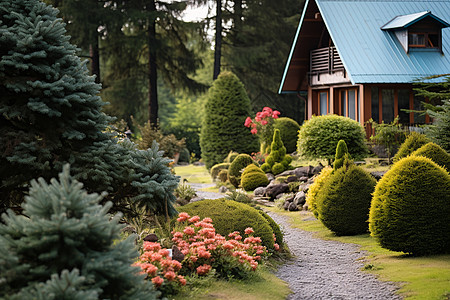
<point>204,194</point>
<point>327,269</point>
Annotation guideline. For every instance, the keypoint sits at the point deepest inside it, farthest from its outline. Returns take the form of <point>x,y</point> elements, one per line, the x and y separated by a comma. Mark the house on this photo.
<point>359,58</point>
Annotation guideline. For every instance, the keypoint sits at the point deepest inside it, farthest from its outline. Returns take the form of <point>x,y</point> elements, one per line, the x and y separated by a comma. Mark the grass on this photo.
<point>263,285</point>
<point>418,277</point>
<point>194,174</point>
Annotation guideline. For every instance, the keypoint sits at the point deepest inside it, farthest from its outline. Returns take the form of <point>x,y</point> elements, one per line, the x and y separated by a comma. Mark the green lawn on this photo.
<point>194,174</point>
<point>424,278</point>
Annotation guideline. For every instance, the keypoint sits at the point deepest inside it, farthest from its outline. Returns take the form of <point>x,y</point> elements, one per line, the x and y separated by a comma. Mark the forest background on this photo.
<point>156,65</point>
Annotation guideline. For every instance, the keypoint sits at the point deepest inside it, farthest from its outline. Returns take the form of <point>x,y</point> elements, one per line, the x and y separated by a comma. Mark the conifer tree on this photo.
<point>225,111</point>
<point>50,114</point>
<point>277,161</point>
<point>341,152</point>
<point>66,248</point>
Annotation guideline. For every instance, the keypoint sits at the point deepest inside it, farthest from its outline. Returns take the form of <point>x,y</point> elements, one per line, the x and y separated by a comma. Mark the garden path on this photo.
<point>204,194</point>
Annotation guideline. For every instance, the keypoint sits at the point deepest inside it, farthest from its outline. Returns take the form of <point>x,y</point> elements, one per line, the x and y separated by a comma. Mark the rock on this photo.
<point>279,195</point>
<point>317,169</point>
<point>300,198</point>
<point>378,174</point>
<point>304,187</point>
<point>292,207</point>
<point>270,176</point>
<point>259,191</point>
<point>305,206</point>
<point>303,178</point>
<point>291,179</point>
<point>273,190</point>
<point>303,171</point>
<point>286,173</point>
<point>177,254</point>
<point>286,205</point>
<point>223,189</point>
<point>151,238</point>
<point>290,198</point>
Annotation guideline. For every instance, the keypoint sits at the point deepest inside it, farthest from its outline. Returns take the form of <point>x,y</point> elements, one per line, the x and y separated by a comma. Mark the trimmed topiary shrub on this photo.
<point>319,181</point>
<point>289,132</point>
<point>253,177</point>
<point>343,202</point>
<point>68,247</point>
<point>237,166</point>
<point>229,216</point>
<point>277,161</point>
<point>341,151</point>
<point>411,206</point>
<point>225,111</point>
<point>230,157</point>
<point>435,153</point>
<point>318,137</point>
<point>275,227</point>
<point>215,170</point>
<point>413,142</point>
<point>223,175</point>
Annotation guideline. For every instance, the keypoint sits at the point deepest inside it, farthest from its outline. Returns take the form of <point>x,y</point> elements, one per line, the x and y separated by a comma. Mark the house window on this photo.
<point>349,103</point>
<point>423,39</point>
<point>324,103</point>
<point>403,104</point>
<point>387,103</point>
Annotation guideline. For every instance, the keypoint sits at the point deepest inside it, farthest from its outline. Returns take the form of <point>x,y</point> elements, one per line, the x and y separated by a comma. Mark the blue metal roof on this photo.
<point>405,21</point>
<point>372,55</point>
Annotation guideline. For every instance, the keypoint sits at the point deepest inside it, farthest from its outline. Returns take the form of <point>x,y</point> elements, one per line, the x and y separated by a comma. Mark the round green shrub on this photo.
<point>275,227</point>
<point>413,142</point>
<point>215,170</point>
<point>286,160</point>
<point>229,216</point>
<point>230,157</point>
<point>253,177</point>
<point>411,207</point>
<point>339,158</point>
<point>185,156</point>
<point>266,167</point>
<point>223,128</point>
<point>289,132</point>
<point>319,136</point>
<point>343,202</point>
<point>435,153</point>
<point>223,175</point>
<point>278,168</point>
<point>319,181</point>
<point>236,167</point>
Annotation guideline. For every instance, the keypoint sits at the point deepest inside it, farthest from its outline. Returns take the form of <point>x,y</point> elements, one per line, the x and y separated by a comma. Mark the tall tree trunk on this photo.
<point>95,59</point>
<point>218,42</point>
<point>152,76</point>
<point>237,17</point>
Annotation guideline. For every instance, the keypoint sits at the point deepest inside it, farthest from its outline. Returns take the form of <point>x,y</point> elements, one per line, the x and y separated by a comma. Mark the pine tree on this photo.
<point>223,127</point>
<point>50,114</point>
<point>66,248</point>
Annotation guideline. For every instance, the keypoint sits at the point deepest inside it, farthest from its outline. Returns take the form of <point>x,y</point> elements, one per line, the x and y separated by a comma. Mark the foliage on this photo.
<point>341,153</point>
<point>344,200</point>
<point>277,161</point>
<point>314,189</point>
<point>68,240</point>
<point>56,118</point>
<point>278,235</point>
<point>204,249</point>
<point>289,132</point>
<point>160,269</point>
<point>259,158</point>
<point>185,156</point>
<point>167,143</point>
<point>223,175</point>
<point>262,126</point>
<point>389,135</point>
<point>229,216</point>
<point>184,193</point>
<point>253,177</point>
<point>410,207</point>
<point>190,135</point>
<point>236,168</point>
<point>439,132</point>
<point>413,142</point>
<point>225,110</point>
<point>215,170</point>
<point>239,195</point>
<point>318,137</point>
<point>435,153</point>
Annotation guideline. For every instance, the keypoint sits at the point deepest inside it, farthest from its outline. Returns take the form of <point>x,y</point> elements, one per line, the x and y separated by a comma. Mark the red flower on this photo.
<point>275,114</point>
<point>249,230</point>
<point>254,131</point>
<point>157,281</point>
<point>248,121</point>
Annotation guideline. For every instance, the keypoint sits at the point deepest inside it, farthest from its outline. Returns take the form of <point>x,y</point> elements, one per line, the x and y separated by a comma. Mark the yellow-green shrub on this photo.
<point>215,170</point>
<point>229,216</point>
<point>275,227</point>
<point>238,164</point>
<point>413,142</point>
<point>435,153</point>
<point>253,177</point>
<point>311,195</point>
<point>411,207</point>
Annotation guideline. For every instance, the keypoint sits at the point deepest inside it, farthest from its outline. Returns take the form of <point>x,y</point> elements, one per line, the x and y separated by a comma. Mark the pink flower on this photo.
<point>264,122</point>
<point>249,230</point>
<point>157,281</point>
<point>149,246</point>
<point>276,247</point>
<point>181,280</point>
<point>275,114</point>
<point>254,131</point>
<point>248,121</point>
<point>194,219</point>
<point>170,275</point>
<point>183,217</point>
<point>189,231</point>
<point>203,270</point>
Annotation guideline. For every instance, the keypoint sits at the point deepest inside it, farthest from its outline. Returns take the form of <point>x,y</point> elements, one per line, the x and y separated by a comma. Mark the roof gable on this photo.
<point>405,21</point>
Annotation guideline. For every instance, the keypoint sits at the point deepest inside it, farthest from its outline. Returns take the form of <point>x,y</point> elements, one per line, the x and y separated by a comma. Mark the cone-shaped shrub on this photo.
<point>413,142</point>
<point>253,177</point>
<point>229,216</point>
<point>435,153</point>
<point>339,158</point>
<point>289,132</point>
<point>226,109</point>
<point>343,202</point>
<point>236,168</point>
<point>319,182</point>
<point>411,206</point>
<point>67,247</point>
<point>277,161</point>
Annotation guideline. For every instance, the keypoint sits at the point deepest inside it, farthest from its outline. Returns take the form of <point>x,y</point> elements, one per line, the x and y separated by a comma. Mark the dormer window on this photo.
<point>416,31</point>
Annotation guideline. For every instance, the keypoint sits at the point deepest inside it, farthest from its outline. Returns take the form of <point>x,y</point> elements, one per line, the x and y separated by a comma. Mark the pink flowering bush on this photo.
<point>160,268</point>
<point>262,125</point>
<point>233,256</point>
